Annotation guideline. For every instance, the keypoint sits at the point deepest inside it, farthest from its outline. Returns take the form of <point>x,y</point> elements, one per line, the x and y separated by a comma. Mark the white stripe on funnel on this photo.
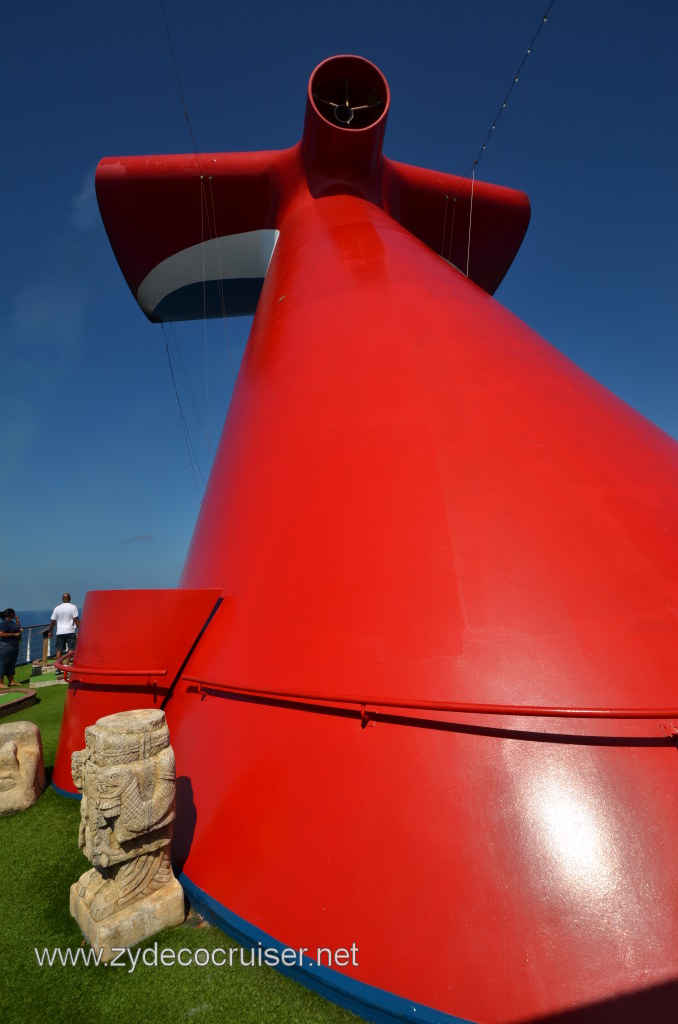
<point>229,257</point>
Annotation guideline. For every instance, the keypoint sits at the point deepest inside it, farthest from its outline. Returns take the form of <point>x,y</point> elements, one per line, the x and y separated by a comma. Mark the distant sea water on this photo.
<point>35,618</point>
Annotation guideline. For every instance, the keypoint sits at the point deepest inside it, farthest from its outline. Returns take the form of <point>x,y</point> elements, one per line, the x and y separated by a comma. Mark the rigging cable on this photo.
<point>493,126</point>
<point>212,233</point>
<point>204,314</point>
<point>470,219</point>
<point>182,417</point>
<point>176,75</point>
<point>179,364</point>
<point>220,276</point>
<point>516,76</point>
<point>454,211</point>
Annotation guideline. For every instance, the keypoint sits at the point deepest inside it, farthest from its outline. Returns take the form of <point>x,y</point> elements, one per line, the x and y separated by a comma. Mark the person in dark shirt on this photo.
<point>10,636</point>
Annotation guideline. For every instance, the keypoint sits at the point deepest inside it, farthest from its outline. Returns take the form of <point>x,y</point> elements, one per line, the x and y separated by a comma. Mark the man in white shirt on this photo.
<point>65,618</point>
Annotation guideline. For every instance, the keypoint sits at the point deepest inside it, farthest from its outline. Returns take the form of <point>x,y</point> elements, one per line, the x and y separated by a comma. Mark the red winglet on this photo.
<point>436,207</point>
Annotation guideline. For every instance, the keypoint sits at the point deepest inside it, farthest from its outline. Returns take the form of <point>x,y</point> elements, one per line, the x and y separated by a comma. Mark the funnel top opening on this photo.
<point>349,93</point>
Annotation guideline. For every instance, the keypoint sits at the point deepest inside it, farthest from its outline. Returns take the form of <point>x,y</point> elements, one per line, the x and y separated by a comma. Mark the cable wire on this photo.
<point>182,417</point>
<point>516,76</point>
<point>208,218</point>
<point>168,37</point>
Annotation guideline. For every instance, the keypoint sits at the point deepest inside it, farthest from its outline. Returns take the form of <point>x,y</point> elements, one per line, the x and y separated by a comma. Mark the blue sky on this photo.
<point>98,489</point>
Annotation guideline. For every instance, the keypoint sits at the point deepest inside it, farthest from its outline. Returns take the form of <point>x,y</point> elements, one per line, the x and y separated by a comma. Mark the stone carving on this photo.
<point>126,775</point>
<point>22,772</point>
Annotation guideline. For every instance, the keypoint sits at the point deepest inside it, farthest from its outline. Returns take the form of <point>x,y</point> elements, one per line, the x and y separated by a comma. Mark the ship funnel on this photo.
<point>346,110</point>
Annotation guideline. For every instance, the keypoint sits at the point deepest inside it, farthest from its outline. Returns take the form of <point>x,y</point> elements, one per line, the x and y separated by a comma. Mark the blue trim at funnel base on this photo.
<point>64,792</point>
<point>372,1003</point>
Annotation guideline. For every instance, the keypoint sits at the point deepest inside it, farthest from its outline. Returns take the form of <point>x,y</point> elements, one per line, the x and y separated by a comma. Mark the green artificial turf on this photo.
<point>9,695</point>
<point>39,860</point>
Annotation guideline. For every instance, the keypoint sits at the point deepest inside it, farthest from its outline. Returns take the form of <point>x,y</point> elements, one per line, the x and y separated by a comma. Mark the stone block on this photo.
<point>22,771</point>
<point>149,915</point>
<point>127,778</point>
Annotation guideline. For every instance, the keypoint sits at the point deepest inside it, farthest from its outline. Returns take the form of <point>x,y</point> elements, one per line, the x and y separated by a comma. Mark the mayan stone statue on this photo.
<point>126,775</point>
<point>22,772</point>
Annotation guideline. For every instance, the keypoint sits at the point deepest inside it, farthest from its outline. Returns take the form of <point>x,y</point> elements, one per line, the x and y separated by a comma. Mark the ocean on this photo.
<point>35,618</point>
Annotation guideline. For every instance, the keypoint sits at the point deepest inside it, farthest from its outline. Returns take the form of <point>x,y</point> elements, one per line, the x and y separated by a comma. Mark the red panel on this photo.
<point>130,648</point>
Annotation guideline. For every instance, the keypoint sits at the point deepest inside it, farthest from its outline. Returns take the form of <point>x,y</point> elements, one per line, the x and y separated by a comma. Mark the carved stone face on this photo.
<point>9,766</point>
<point>101,788</point>
<point>22,773</point>
<point>111,783</point>
<point>78,768</point>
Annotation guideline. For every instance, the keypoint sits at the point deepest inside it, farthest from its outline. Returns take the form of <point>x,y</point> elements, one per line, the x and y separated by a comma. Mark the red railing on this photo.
<point>392,703</point>
<point>456,707</point>
<point>69,667</point>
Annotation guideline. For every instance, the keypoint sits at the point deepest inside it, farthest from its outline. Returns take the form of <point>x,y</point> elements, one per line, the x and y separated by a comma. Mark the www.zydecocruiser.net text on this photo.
<point>153,956</point>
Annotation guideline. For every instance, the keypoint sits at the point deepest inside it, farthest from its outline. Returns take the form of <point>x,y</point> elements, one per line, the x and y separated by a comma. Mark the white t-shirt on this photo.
<point>63,615</point>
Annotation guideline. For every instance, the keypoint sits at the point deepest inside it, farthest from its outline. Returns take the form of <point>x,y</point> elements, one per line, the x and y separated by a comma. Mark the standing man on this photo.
<point>65,618</point>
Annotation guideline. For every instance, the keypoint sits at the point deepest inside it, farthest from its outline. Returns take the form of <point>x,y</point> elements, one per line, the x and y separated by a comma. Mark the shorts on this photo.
<point>65,642</point>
